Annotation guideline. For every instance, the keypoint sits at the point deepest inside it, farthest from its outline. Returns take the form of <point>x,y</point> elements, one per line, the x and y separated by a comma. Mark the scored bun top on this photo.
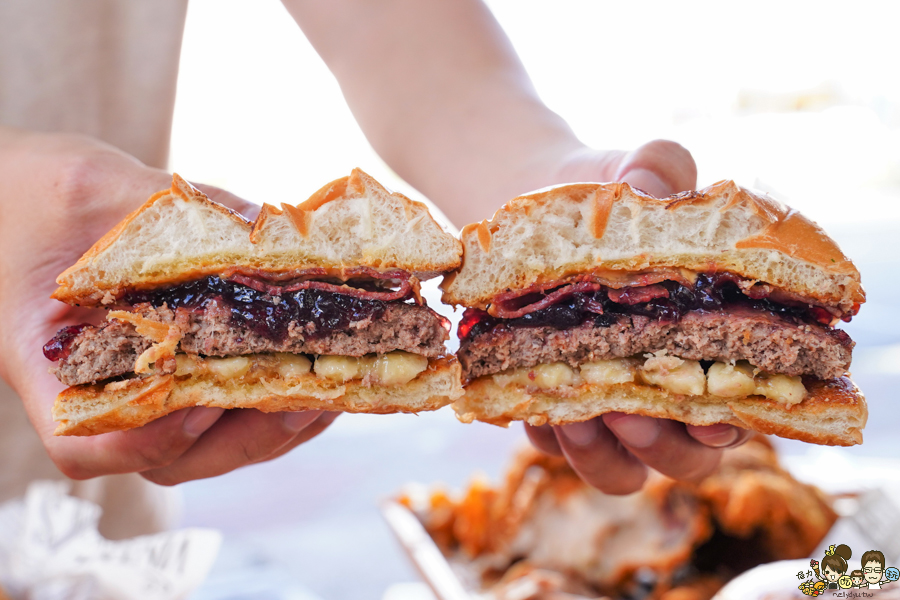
<point>180,234</point>
<point>612,229</point>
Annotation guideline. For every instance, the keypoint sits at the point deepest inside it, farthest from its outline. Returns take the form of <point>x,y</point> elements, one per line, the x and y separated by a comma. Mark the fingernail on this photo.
<point>580,434</point>
<point>717,436</point>
<point>634,430</point>
<point>199,419</point>
<point>647,181</point>
<point>296,421</point>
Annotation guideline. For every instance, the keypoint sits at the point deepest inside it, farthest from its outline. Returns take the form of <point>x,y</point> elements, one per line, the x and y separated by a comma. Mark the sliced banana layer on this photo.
<point>394,368</point>
<point>671,373</point>
<point>388,369</point>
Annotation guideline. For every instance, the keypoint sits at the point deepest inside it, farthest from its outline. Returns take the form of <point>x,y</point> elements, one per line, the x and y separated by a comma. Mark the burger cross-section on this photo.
<point>715,306</point>
<point>315,306</point>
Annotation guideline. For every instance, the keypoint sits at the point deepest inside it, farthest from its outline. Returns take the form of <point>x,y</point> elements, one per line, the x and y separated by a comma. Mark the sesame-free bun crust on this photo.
<point>611,228</point>
<point>834,412</point>
<point>179,234</point>
<point>102,408</point>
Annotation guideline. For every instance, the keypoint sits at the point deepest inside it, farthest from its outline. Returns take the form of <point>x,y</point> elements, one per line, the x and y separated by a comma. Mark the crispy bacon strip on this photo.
<point>296,280</point>
<point>827,315</point>
<point>637,288</point>
<point>517,300</point>
<point>638,295</point>
<point>511,306</point>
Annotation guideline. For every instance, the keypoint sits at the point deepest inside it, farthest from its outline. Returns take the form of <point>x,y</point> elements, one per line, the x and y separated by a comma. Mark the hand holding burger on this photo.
<point>595,292</point>
<point>61,193</point>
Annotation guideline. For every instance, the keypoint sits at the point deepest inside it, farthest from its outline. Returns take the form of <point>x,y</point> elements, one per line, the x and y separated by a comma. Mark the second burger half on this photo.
<point>715,306</point>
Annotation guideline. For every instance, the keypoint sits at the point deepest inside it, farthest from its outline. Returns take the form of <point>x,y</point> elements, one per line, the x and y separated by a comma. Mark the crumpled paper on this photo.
<point>50,549</point>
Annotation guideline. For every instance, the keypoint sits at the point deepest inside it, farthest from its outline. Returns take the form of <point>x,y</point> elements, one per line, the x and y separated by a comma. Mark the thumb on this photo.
<point>660,168</point>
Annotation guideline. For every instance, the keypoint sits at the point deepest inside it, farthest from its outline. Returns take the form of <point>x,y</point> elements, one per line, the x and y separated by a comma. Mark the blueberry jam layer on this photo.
<point>668,302</point>
<point>266,315</point>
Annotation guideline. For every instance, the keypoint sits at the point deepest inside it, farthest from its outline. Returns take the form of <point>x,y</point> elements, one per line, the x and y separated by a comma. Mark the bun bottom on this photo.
<point>102,408</point>
<point>834,412</point>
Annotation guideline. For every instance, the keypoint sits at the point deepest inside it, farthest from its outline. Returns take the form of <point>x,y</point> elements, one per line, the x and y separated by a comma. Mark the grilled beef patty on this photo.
<point>768,341</point>
<point>110,350</point>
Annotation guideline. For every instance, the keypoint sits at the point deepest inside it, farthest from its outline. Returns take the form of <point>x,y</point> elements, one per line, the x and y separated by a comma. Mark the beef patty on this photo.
<point>110,350</point>
<point>765,340</point>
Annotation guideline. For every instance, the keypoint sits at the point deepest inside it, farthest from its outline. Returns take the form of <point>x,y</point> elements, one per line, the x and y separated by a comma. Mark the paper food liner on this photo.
<point>50,549</point>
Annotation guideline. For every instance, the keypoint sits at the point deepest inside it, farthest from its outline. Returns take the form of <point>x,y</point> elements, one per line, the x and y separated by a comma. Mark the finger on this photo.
<point>598,458</point>
<point>241,437</point>
<point>664,445</point>
<point>660,168</point>
<point>153,446</point>
<point>311,431</point>
<point>719,436</point>
<point>544,439</point>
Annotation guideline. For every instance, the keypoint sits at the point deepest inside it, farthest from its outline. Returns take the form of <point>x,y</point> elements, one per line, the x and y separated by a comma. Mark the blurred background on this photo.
<point>800,99</point>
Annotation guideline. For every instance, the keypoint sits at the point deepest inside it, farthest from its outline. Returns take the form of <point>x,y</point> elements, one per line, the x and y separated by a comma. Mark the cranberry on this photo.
<point>709,293</point>
<point>321,312</point>
<point>59,347</point>
<point>470,319</point>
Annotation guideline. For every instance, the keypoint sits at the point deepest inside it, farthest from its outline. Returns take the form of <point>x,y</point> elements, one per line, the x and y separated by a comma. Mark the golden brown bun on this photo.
<point>607,228</point>
<point>179,235</point>
<point>833,413</point>
<point>101,408</point>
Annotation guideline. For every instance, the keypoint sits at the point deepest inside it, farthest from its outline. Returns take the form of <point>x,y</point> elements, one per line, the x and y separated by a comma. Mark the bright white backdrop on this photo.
<point>798,98</point>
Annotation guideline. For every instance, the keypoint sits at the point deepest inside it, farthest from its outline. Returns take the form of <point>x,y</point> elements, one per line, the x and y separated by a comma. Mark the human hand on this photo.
<point>612,452</point>
<point>60,194</point>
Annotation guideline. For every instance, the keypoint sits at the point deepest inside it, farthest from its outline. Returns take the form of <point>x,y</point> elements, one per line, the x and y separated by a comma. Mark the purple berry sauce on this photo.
<point>709,293</point>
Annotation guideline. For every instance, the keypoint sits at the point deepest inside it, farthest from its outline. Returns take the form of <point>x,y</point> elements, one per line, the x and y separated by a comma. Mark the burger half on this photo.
<point>314,306</point>
<point>715,306</point>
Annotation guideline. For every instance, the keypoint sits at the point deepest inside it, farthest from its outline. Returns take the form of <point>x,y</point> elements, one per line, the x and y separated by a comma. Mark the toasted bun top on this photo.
<point>179,234</point>
<point>611,230</point>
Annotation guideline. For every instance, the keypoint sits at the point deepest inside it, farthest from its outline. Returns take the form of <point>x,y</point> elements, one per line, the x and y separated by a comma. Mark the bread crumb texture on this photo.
<point>575,229</point>
<point>179,234</point>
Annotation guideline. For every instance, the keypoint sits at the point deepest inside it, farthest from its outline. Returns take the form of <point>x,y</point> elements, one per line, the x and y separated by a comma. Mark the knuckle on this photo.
<point>675,158</point>
<point>162,477</point>
<point>744,436</point>
<point>701,468</point>
<point>76,177</point>
<point>611,475</point>
<point>252,450</point>
<point>71,467</point>
<point>666,146</point>
<point>618,486</point>
<point>155,456</point>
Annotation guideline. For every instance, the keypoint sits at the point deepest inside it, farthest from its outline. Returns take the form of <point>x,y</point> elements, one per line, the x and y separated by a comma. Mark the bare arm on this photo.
<point>442,96</point>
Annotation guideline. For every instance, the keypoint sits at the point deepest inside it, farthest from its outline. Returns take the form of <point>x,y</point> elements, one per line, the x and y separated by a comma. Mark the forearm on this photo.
<point>441,95</point>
